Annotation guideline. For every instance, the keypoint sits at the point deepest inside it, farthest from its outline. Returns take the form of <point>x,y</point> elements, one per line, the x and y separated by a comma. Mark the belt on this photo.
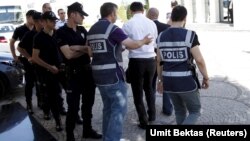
<point>151,58</point>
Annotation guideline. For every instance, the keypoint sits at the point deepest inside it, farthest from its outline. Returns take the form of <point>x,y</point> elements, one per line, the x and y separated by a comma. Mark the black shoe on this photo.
<point>79,120</point>
<point>151,119</point>
<point>58,125</point>
<point>91,134</point>
<point>142,126</point>
<point>59,128</point>
<point>47,116</point>
<point>70,137</point>
<point>29,108</point>
<point>166,114</point>
<point>30,111</point>
<point>39,104</point>
<point>63,112</point>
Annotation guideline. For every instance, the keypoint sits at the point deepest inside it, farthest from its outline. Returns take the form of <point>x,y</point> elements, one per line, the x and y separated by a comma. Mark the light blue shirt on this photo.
<point>60,23</point>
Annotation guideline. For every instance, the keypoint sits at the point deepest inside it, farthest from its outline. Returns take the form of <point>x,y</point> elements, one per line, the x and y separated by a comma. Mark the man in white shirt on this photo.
<point>62,18</point>
<point>142,63</point>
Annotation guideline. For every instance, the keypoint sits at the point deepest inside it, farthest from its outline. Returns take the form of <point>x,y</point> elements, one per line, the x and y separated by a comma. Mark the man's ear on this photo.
<point>113,14</point>
<point>184,21</point>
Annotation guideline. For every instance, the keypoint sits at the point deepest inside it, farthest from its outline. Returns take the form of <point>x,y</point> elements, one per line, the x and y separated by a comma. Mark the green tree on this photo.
<point>122,12</point>
<point>146,6</point>
<point>129,15</point>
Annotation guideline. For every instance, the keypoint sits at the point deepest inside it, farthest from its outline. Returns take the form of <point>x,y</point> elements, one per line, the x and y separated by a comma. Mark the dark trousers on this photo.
<point>80,82</point>
<point>154,81</point>
<point>41,89</point>
<point>30,80</point>
<point>142,71</point>
<point>63,82</point>
<point>51,98</point>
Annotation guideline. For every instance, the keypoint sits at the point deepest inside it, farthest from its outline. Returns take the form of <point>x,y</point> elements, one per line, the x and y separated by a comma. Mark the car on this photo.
<point>6,32</point>
<point>16,124</point>
<point>11,74</point>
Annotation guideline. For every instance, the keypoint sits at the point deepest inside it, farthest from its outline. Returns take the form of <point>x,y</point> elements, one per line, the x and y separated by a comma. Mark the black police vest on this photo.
<point>107,58</point>
<point>174,45</point>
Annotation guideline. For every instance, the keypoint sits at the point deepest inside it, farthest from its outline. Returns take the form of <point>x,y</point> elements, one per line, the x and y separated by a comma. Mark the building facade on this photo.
<point>209,11</point>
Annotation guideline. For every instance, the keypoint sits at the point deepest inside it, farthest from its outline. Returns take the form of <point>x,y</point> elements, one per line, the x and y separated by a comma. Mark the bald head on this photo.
<point>153,13</point>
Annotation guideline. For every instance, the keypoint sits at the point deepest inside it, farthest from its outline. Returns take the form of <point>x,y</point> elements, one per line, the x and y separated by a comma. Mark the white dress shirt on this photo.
<point>137,28</point>
<point>60,23</point>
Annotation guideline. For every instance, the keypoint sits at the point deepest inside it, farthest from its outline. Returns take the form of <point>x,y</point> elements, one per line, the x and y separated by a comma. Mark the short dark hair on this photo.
<point>49,15</point>
<point>37,16</point>
<point>136,6</point>
<point>179,13</point>
<point>107,8</point>
<point>30,13</point>
<point>59,10</point>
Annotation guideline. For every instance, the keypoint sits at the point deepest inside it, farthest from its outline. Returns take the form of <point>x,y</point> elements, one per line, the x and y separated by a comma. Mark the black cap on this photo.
<point>30,12</point>
<point>37,16</point>
<point>78,8</point>
<point>49,15</point>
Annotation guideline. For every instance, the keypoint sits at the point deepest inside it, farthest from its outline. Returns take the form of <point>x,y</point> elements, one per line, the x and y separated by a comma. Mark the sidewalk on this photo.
<point>223,103</point>
<point>224,27</point>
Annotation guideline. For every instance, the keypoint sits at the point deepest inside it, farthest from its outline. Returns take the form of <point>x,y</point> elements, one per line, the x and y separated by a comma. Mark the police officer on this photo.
<point>106,40</point>
<point>25,48</point>
<point>20,31</point>
<point>71,40</point>
<point>47,7</point>
<point>176,48</point>
<point>153,14</point>
<point>18,35</point>
<point>46,55</point>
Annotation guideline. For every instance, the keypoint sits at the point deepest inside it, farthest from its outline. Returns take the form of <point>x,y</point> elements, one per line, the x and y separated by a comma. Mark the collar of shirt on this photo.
<point>138,15</point>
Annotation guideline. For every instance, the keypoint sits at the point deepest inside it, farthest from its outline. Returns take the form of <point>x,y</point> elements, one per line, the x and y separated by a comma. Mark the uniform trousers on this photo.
<point>30,80</point>
<point>80,82</point>
<point>51,96</point>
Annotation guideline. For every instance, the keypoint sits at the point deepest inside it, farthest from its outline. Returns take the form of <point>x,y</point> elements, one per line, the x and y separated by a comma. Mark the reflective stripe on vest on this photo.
<point>106,66</point>
<point>176,74</point>
<point>174,51</point>
<point>107,58</point>
<point>188,38</point>
<point>177,54</point>
<point>101,36</point>
<point>100,46</point>
<point>187,42</point>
